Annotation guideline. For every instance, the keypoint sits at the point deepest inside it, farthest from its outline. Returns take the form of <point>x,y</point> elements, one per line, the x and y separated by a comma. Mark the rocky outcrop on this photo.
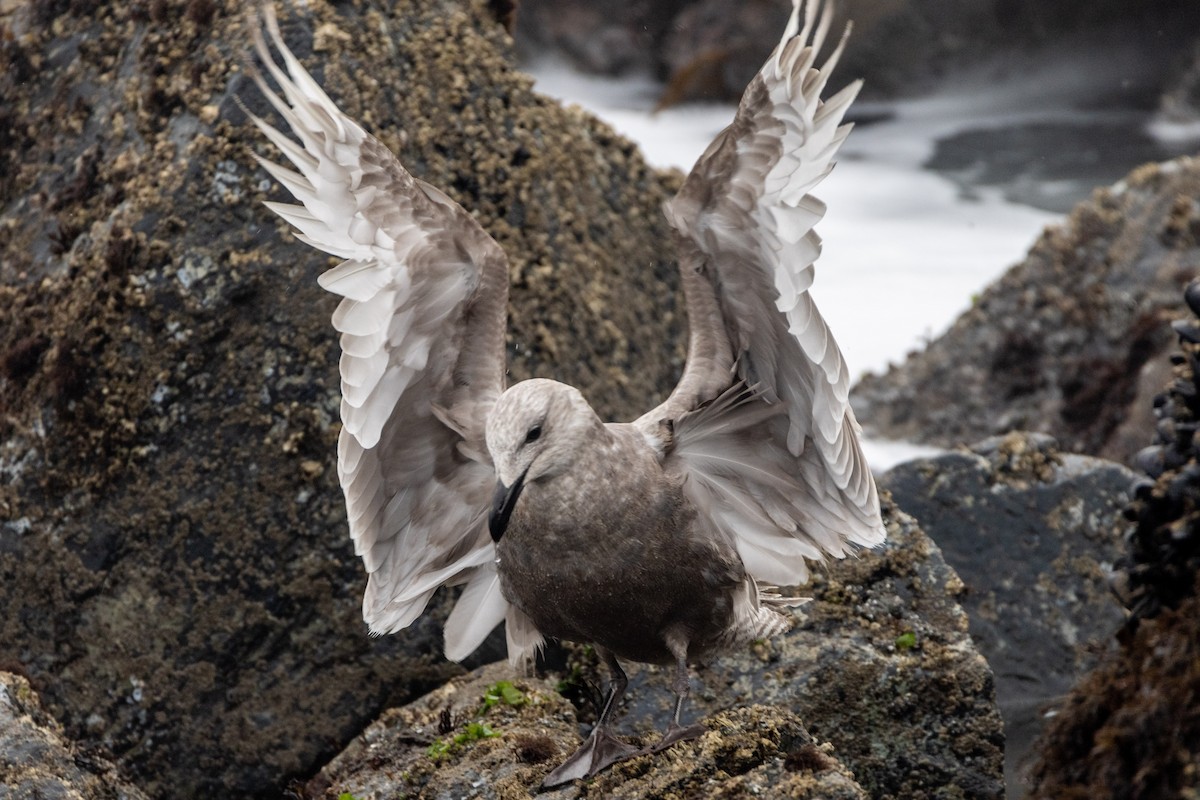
<point>1068,342</point>
<point>175,572</point>
<point>489,735</point>
<point>37,761</point>
<point>879,679</point>
<point>1131,728</point>
<point>607,37</point>
<point>1033,533</point>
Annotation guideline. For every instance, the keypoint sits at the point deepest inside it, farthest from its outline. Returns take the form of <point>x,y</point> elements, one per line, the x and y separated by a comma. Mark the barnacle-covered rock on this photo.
<point>877,692</point>
<point>1130,730</point>
<point>1161,567</point>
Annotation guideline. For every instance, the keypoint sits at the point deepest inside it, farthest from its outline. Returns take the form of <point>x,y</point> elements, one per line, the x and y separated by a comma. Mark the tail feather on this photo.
<point>759,613</point>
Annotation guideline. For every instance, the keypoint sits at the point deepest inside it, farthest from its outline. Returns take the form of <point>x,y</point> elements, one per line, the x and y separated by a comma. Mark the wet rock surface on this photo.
<point>1068,342</point>
<point>1034,534</point>
<point>174,565</point>
<point>37,761</point>
<point>1131,728</point>
<point>879,677</point>
<point>1162,562</point>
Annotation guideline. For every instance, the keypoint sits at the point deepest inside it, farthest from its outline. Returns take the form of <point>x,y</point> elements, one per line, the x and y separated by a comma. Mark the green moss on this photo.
<point>502,693</point>
<point>572,683</point>
<point>473,733</point>
<point>906,641</point>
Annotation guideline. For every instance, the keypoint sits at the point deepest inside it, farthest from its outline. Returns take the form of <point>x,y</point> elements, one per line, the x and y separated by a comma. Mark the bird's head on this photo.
<point>534,432</point>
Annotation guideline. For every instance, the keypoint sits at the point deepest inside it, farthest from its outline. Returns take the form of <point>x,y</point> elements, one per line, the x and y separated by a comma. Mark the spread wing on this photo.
<point>422,318</point>
<point>760,421</point>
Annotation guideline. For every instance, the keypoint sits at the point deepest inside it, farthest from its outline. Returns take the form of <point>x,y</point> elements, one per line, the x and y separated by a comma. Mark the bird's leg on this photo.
<point>601,749</point>
<point>676,732</point>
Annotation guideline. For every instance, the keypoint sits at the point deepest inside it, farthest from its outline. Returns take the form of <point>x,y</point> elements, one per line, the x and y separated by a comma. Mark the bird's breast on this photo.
<point>617,571</point>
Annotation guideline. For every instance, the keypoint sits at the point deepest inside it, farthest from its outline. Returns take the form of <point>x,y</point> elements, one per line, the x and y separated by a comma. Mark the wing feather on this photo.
<point>763,428</point>
<point>424,293</point>
<point>480,608</point>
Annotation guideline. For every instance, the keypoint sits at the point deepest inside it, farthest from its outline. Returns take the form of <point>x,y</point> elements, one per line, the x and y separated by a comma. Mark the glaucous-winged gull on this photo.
<point>661,540</point>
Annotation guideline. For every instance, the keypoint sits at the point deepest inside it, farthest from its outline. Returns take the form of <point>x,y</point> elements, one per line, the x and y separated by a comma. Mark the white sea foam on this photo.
<point>904,250</point>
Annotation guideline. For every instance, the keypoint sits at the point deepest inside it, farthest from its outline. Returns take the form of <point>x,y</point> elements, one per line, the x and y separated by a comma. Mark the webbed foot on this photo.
<point>599,751</point>
<point>676,733</point>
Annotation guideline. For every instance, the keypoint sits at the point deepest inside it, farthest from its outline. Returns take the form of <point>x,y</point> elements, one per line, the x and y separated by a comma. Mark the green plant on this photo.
<point>502,692</point>
<point>906,641</point>
<point>472,733</point>
<point>572,682</point>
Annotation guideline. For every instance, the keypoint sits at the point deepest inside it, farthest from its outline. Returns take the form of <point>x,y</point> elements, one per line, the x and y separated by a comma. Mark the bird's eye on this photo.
<point>534,433</point>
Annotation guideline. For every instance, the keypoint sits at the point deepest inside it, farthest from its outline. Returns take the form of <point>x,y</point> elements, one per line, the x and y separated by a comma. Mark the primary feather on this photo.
<point>763,426</point>
<point>759,431</point>
<point>418,372</point>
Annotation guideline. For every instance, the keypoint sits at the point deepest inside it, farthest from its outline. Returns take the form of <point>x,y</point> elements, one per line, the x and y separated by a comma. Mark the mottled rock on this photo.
<point>1131,728</point>
<point>175,569</point>
<point>1034,534</point>
<point>881,670</point>
<point>1066,342</point>
<point>37,761</point>
<point>459,741</point>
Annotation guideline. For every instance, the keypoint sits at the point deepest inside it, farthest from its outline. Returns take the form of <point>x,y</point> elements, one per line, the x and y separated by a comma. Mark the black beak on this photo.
<point>503,503</point>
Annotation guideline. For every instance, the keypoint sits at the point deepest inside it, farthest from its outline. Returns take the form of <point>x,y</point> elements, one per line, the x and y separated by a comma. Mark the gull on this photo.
<point>661,540</point>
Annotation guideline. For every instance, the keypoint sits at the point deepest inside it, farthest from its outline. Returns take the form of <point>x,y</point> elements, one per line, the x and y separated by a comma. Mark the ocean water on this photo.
<point>931,200</point>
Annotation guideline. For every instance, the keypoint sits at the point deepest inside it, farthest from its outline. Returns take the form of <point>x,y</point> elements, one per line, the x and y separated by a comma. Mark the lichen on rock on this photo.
<point>168,373</point>
<point>1033,533</point>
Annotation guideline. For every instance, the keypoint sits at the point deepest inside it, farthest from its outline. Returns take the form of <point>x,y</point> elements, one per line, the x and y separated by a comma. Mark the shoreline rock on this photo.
<point>708,49</point>
<point>879,676</point>
<point>1068,342</point>
<point>1034,534</point>
<point>1131,728</point>
<point>38,761</point>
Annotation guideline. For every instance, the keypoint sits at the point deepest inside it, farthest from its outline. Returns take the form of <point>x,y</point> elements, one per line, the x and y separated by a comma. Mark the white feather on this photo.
<point>413,261</point>
<point>792,486</point>
<point>480,608</point>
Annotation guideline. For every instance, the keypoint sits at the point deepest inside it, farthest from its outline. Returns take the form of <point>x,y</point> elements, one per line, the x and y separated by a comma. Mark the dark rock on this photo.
<point>1069,341</point>
<point>881,668</point>
<point>1130,730</point>
<point>714,47</point>
<point>608,37</point>
<point>1033,533</point>
<point>175,570</point>
<point>37,761</point>
<point>1161,566</point>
